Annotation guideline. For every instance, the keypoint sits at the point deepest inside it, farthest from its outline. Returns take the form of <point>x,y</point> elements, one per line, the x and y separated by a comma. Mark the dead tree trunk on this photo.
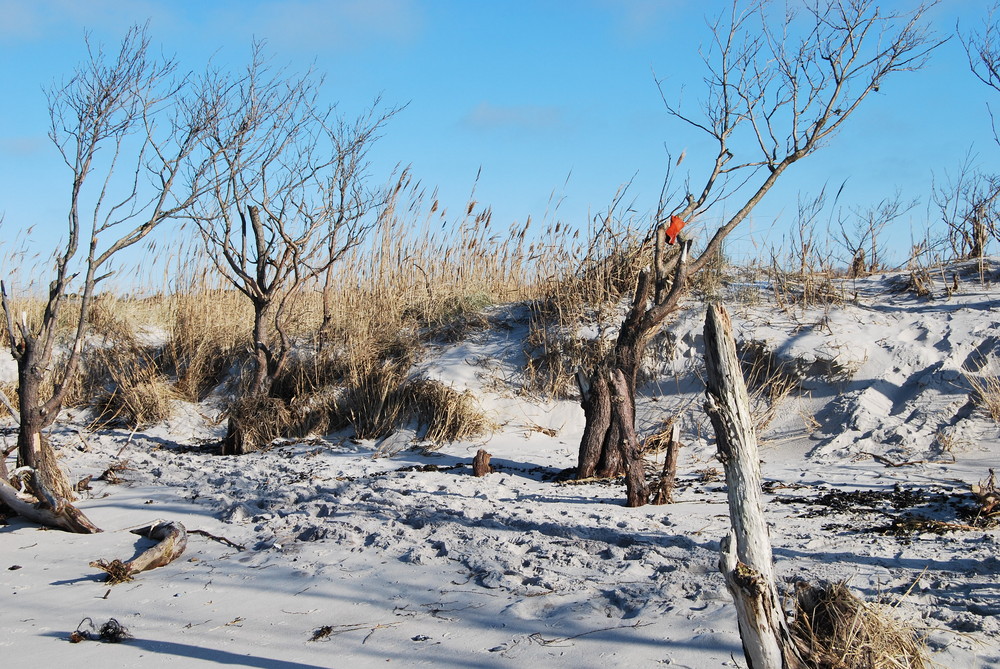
<point>481,463</point>
<point>748,565</point>
<point>637,491</point>
<point>664,493</point>
<point>33,450</point>
<point>601,453</point>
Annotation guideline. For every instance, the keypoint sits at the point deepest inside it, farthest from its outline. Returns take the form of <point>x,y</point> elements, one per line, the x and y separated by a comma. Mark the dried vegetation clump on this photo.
<point>986,393</point>
<point>446,414</point>
<point>208,335</point>
<point>834,629</point>
<point>121,379</point>
<point>255,421</point>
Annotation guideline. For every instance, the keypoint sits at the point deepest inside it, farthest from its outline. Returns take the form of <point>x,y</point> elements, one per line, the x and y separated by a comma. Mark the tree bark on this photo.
<point>33,450</point>
<point>746,561</point>
<point>481,463</point>
<point>637,491</point>
<point>596,400</point>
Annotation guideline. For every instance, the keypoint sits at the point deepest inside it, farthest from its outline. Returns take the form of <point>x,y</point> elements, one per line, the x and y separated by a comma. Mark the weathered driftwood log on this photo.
<point>171,538</point>
<point>746,561</point>
<point>43,507</point>
<point>481,463</point>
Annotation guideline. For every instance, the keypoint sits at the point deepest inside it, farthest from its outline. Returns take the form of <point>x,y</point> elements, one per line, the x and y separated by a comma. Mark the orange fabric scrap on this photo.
<point>675,228</point>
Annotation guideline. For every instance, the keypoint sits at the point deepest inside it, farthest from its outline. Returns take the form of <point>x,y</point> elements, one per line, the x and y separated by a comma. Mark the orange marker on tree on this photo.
<point>676,223</point>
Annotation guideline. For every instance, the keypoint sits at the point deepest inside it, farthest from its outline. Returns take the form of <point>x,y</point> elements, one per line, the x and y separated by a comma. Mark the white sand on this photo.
<point>439,568</point>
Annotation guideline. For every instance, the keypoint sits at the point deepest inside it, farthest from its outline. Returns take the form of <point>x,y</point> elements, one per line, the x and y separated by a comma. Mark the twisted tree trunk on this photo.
<point>609,447</point>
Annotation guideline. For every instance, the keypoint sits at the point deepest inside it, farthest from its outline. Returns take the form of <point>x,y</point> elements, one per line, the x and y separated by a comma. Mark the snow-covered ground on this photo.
<point>317,554</point>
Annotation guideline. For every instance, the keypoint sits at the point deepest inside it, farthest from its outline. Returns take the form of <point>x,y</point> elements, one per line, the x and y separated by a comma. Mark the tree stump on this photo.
<point>668,477</point>
<point>481,464</point>
<point>746,561</point>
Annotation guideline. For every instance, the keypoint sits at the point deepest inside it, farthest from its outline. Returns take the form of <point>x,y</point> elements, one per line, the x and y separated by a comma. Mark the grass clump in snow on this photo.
<point>986,393</point>
<point>835,629</point>
<point>120,379</point>
<point>257,420</point>
<point>446,414</point>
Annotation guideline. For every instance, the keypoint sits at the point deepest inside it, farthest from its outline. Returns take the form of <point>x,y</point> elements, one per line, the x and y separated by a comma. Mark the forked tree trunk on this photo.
<point>33,450</point>
<point>601,453</point>
<point>746,561</point>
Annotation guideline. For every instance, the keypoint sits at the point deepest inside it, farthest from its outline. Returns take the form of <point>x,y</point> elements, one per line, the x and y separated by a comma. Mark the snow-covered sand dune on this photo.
<point>316,554</point>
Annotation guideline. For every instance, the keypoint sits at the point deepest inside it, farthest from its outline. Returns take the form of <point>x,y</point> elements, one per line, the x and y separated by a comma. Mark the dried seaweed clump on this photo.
<point>116,570</point>
<point>834,629</point>
<point>110,632</point>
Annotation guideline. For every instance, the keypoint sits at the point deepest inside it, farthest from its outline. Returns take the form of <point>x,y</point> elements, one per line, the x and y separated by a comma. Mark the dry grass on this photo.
<point>986,393</point>
<point>445,413</point>
<point>209,331</point>
<point>768,384</point>
<point>120,378</point>
<point>256,421</point>
<point>836,630</point>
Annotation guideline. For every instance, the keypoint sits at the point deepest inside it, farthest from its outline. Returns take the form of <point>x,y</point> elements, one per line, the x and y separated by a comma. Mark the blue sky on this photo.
<point>532,92</point>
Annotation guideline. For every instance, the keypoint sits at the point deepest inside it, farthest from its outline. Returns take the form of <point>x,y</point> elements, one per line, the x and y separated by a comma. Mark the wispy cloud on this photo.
<point>641,20</point>
<point>489,116</point>
<point>29,21</point>
<point>320,25</point>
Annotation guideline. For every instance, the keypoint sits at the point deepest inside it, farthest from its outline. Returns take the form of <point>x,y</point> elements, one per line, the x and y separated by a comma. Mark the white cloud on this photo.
<point>487,115</point>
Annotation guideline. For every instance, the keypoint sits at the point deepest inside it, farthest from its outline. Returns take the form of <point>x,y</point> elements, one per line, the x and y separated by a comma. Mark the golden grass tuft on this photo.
<point>768,384</point>
<point>986,393</point>
<point>835,629</point>
<point>446,413</point>
<point>255,421</point>
<point>120,376</point>
<point>209,331</point>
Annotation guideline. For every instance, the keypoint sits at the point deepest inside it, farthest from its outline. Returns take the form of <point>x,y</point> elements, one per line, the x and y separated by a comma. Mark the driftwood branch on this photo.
<point>45,508</point>
<point>171,538</point>
<point>746,561</point>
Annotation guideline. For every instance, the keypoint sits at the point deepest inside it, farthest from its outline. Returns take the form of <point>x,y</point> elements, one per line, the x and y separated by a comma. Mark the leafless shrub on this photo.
<point>861,234</point>
<point>969,206</point>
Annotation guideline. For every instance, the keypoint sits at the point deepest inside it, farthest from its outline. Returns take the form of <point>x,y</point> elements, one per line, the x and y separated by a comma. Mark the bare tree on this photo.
<point>778,89</point>
<point>125,127</point>
<point>861,231</point>
<point>969,205</point>
<point>983,49</point>
<point>288,200</point>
